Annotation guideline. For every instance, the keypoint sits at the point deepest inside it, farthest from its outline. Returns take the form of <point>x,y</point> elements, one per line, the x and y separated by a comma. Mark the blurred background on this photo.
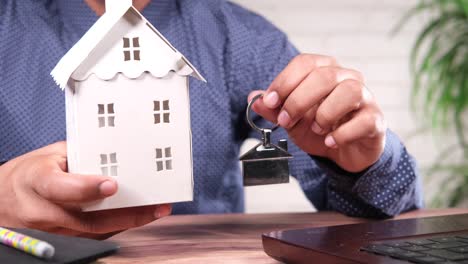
<point>359,34</point>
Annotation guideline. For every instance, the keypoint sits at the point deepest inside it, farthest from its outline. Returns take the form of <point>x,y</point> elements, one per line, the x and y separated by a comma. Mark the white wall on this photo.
<point>357,33</point>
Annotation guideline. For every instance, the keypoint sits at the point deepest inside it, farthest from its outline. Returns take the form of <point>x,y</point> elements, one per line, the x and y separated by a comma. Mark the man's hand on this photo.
<point>327,111</point>
<point>37,192</point>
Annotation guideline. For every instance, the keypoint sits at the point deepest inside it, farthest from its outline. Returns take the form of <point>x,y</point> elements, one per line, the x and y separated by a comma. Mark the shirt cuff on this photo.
<point>388,185</point>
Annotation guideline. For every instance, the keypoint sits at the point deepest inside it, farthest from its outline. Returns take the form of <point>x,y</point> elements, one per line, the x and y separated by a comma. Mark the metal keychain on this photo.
<point>266,163</point>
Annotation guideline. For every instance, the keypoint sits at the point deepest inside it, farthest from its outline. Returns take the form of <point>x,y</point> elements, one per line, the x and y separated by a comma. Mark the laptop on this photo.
<point>442,239</point>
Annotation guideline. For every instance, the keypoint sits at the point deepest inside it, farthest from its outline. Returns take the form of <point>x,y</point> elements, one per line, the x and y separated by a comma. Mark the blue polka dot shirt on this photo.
<point>236,51</point>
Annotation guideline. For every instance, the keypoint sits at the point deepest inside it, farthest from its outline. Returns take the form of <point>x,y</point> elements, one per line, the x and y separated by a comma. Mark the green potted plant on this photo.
<point>439,66</point>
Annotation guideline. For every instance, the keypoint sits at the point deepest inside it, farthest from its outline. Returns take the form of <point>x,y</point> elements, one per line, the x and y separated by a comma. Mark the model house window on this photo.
<point>163,159</point>
<point>109,164</point>
<point>106,115</point>
<point>161,112</point>
<point>131,49</point>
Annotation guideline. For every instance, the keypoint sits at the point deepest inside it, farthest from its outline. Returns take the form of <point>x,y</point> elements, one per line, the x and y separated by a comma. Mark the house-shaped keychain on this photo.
<point>128,109</point>
<point>266,163</point>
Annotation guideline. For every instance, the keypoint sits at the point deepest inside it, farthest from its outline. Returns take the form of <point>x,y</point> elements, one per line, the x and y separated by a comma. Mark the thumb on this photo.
<point>260,108</point>
<point>50,181</point>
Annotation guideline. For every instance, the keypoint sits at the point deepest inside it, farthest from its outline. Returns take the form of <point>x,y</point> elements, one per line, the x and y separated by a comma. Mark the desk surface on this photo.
<point>232,238</point>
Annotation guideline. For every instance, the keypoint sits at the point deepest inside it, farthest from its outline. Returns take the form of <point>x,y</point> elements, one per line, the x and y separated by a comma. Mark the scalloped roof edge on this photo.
<point>81,50</point>
<point>110,77</point>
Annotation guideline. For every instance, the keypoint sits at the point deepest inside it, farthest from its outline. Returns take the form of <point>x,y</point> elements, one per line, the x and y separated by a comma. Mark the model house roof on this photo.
<point>259,152</point>
<point>95,52</point>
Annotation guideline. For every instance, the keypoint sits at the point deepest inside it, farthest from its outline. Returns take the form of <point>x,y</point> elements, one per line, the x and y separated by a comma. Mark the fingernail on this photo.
<point>163,210</point>
<point>271,100</point>
<point>330,142</point>
<point>317,129</point>
<point>107,188</point>
<point>284,119</point>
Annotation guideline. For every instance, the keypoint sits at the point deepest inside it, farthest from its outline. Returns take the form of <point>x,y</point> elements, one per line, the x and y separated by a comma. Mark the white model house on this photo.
<point>128,110</point>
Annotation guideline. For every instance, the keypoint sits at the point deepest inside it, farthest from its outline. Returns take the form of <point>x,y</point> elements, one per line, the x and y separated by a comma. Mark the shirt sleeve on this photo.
<point>390,186</point>
<point>387,188</point>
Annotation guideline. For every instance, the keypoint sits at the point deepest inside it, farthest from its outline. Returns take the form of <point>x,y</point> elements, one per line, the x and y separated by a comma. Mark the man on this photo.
<point>344,157</point>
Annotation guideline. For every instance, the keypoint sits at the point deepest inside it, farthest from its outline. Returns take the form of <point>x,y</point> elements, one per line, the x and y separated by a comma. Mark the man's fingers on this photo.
<point>102,222</point>
<point>311,91</point>
<point>296,71</point>
<point>43,214</point>
<point>51,183</point>
<point>58,148</point>
<point>253,94</point>
<point>365,124</point>
<point>347,97</point>
<point>260,108</point>
<point>50,215</point>
<point>301,128</point>
<point>163,210</point>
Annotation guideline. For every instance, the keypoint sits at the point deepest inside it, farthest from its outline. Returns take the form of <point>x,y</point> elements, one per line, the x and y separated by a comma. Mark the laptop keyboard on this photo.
<point>453,249</point>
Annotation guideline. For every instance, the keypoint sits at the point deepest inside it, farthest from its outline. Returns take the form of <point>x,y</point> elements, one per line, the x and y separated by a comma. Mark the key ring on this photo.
<point>266,132</point>
<point>249,112</point>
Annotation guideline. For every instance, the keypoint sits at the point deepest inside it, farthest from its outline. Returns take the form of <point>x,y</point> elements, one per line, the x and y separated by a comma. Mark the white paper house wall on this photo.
<point>128,110</point>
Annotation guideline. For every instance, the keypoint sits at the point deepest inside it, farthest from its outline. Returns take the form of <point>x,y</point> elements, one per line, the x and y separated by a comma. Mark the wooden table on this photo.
<point>231,238</point>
